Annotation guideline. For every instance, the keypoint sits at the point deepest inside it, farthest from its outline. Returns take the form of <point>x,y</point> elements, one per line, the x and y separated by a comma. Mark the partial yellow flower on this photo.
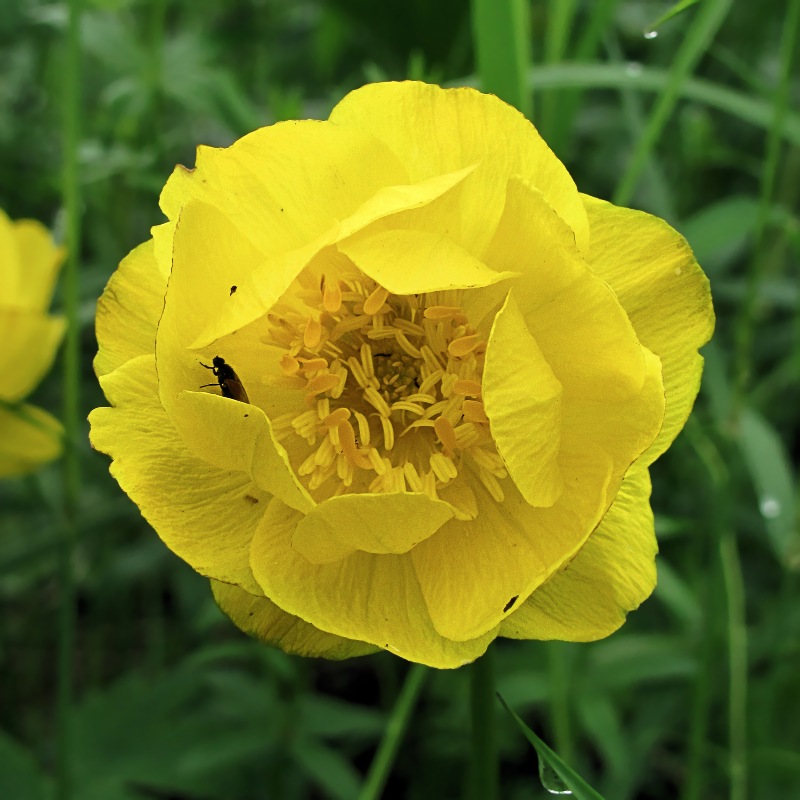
<point>406,380</point>
<point>29,262</point>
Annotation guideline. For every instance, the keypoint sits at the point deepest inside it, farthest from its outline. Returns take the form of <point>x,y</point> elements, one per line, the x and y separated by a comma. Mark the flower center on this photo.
<point>392,385</point>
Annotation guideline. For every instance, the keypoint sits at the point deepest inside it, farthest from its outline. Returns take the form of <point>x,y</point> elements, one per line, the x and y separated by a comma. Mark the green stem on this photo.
<point>483,763</point>
<point>72,480</point>
<point>383,762</point>
<point>559,701</point>
<point>737,665</point>
<point>745,329</point>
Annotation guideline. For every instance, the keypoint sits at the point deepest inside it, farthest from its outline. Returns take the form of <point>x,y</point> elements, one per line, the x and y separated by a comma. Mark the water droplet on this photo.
<point>678,270</point>
<point>551,782</point>
<point>633,69</point>
<point>770,507</point>
<point>650,34</point>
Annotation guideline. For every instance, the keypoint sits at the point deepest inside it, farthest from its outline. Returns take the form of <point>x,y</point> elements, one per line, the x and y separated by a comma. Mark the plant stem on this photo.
<point>559,701</point>
<point>484,765</point>
<point>71,466</point>
<point>383,762</point>
<point>737,665</point>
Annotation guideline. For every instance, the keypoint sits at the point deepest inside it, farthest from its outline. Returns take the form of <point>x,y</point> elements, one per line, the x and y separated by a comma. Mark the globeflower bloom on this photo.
<point>392,383</point>
<point>29,263</point>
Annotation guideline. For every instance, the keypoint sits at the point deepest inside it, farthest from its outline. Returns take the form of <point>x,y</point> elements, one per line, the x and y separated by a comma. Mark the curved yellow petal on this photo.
<point>412,262</point>
<point>237,437</point>
<point>370,598</point>
<point>205,515</point>
<point>260,617</point>
<point>259,288</point>
<point>580,326</point>
<point>433,131</point>
<point>522,398</point>
<point>284,185</point>
<point>653,272</point>
<point>30,261</point>
<point>30,341</point>
<point>29,437</point>
<point>610,575</point>
<point>129,310</point>
<point>373,523</point>
<point>473,573</point>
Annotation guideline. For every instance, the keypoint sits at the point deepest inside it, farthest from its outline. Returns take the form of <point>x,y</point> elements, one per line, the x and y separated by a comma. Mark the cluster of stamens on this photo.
<point>392,385</point>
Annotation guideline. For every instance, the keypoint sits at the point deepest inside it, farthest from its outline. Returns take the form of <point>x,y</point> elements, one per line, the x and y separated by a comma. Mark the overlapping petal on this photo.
<point>31,437</point>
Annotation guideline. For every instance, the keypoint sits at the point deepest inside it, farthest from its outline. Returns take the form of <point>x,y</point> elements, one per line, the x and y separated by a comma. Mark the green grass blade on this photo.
<point>771,473</point>
<point>560,17</point>
<point>672,12</point>
<point>699,37</point>
<point>501,30</point>
<point>746,324</point>
<point>381,765</point>
<point>549,761</point>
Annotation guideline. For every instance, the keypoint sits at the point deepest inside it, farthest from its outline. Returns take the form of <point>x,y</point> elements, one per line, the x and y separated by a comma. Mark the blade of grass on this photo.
<point>598,23</point>
<point>501,31</point>
<point>550,760</point>
<point>560,17</point>
<point>71,465</point>
<point>745,328</point>
<point>672,12</point>
<point>700,35</point>
<point>382,764</point>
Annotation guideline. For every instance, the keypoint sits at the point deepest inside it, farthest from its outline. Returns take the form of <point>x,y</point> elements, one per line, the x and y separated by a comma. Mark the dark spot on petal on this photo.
<point>254,500</point>
<point>246,416</point>
<point>234,288</point>
<point>511,602</point>
<point>250,613</point>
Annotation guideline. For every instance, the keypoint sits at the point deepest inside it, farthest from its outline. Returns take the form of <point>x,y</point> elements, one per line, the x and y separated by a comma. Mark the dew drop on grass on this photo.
<point>551,781</point>
<point>650,34</point>
<point>770,507</point>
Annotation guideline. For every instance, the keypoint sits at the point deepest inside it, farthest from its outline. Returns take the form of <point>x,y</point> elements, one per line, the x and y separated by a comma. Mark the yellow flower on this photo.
<point>29,263</point>
<point>437,373</point>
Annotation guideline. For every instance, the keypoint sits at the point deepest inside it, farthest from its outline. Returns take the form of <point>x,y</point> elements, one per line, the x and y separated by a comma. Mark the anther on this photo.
<point>374,303</point>
<point>437,313</point>
<point>464,345</point>
<point>444,430</point>
<point>289,366</point>
<point>322,383</point>
<point>312,334</point>
<point>335,417</point>
<point>467,388</point>
<point>474,411</point>
<point>332,296</point>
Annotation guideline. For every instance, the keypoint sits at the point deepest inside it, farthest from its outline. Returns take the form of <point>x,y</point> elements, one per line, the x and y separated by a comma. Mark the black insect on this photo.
<point>227,379</point>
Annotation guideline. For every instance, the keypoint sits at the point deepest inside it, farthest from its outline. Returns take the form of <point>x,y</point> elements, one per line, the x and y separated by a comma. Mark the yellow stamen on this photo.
<point>467,388</point>
<point>332,297</point>
<point>437,313</point>
<point>289,366</point>
<point>335,417</point>
<point>312,334</point>
<point>322,383</point>
<point>374,303</point>
<point>363,428</point>
<point>444,430</point>
<point>388,433</point>
<point>474,411</point>
<point>312,364</point>
<point>463,346</point>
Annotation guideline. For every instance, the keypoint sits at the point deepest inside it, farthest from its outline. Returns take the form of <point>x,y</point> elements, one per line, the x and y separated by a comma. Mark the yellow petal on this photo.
<point>582,330</point>
<point>374,523</point>
<point>205,515</point>
<point>522,398</point>
<point>237,437</point>
<point>610,575</point>
<point>666,295</point>
<point>30,264</point>
<point>284,185</point>
<point>129,310</point>
<point>472,573</point>
<point>371,598</point>
<point>30,341</point>
<point>259,288</point>
<point>412,262</point>
<point>29,437</point>
<point>261,618</point>
<point>433,131</point>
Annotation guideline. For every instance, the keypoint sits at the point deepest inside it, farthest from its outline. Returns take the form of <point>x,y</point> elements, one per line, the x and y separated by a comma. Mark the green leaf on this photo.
<point>771,473</point>
<point>551,765</point>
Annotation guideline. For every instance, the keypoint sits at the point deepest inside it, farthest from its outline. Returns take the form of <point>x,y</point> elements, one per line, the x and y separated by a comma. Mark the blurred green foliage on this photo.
<point>698,695</point>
